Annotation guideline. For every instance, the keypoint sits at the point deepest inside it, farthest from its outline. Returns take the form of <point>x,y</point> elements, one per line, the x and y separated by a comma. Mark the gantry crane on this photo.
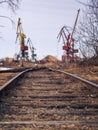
<point>21,36</point>
<point>32,49</point>
<point>68,41</point>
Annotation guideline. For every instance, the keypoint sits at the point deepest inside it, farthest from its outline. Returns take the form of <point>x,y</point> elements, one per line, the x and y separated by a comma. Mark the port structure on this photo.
<point>68,41</point>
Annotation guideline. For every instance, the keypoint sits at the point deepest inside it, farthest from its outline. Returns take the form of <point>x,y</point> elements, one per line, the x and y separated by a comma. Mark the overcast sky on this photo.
<point>41,22</point>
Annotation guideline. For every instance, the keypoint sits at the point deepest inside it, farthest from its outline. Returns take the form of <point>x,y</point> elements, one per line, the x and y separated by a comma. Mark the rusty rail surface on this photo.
<point>14,79</point>
<point>76,77</point>
<point>17,77</point>
<point>46,98</point>
<point>24,70</point>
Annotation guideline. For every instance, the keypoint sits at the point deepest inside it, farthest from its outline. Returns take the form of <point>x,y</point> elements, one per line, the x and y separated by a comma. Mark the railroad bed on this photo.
<point>49,100</point>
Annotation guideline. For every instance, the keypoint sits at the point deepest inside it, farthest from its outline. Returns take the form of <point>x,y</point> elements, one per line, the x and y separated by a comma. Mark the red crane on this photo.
<point>68,41</point>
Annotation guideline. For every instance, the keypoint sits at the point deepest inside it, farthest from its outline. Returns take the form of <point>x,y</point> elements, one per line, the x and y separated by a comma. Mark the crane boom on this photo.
<point>75,25</point>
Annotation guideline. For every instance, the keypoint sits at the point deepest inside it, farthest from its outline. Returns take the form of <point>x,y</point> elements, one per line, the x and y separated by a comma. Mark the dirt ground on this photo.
<point>89,73</point>
<point>87,70</point>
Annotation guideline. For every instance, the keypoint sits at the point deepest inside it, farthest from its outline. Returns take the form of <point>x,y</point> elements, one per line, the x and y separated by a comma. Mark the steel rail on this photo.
<point>81,122</point>
<point>13,70</point>
<point>76,77</point>
<point>51,122</point>
<point>13,80</point>
<point>16,78</point>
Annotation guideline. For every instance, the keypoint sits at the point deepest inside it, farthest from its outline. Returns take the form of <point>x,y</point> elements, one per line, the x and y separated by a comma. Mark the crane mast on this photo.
<point>21,37</point>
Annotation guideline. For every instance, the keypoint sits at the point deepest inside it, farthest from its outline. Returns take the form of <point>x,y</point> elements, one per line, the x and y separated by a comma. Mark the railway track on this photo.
<point>46,99</point>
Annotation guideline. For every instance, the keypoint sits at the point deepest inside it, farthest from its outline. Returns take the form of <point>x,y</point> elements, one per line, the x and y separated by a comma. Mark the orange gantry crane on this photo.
<point>21,36</point>
<point>68,41</point>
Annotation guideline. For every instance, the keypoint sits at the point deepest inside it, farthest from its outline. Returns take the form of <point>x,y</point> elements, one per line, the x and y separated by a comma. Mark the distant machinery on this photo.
<point>68,41</point>
<point>32,49</point>
<point>21,36</point>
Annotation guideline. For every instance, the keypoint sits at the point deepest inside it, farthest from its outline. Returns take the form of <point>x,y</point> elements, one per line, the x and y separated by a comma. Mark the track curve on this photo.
<point>46,100</point>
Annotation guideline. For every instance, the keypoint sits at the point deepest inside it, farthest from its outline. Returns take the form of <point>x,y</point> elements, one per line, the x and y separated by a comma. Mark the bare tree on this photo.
<point>88,30</point>
<point>12,4</point>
